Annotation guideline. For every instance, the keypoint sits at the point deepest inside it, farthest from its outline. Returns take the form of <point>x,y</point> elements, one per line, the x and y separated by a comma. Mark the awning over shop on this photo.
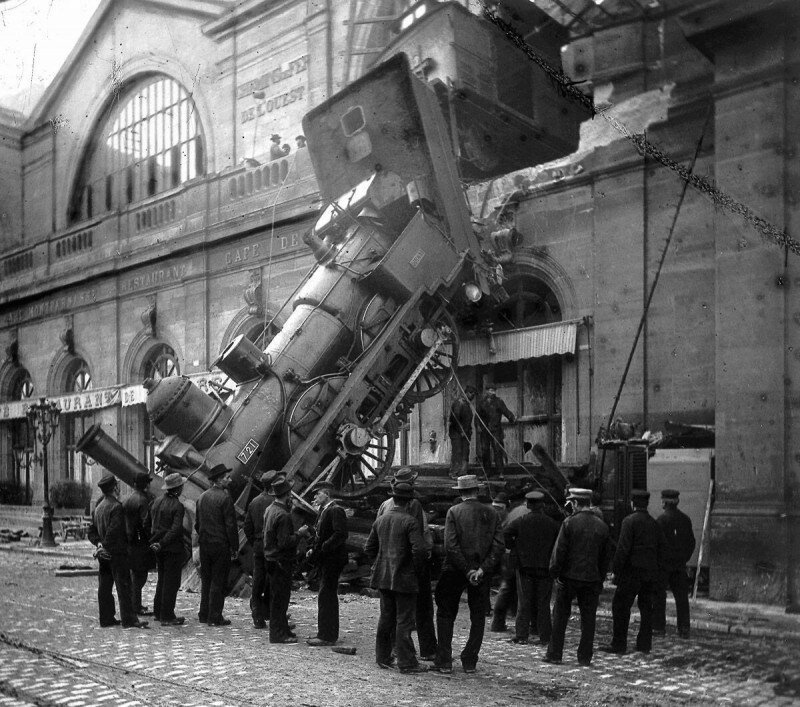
<point>101,397</point>
<point>518,344</point>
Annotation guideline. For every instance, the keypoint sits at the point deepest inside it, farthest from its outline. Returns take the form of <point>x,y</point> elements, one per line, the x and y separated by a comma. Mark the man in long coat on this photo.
<point>254,532</point>
<point>395,544</point>
<point>108,533</point>
<point>459,429</point>
<point>491,411</point>
<point>329,553</point>
<point>166,541</point>
<point>137,523</point>
<point>218,538</point>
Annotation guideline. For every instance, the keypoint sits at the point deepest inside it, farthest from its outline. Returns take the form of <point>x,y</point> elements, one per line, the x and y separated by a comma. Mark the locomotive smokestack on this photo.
<point>100,447</point>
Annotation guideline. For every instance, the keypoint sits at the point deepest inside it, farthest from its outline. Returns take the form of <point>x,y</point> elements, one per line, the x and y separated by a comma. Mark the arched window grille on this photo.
<point>160,363</point>
<point>148,142</point>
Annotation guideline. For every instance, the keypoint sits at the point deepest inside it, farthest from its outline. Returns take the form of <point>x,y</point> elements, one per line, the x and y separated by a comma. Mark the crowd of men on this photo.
<point>541,562</point>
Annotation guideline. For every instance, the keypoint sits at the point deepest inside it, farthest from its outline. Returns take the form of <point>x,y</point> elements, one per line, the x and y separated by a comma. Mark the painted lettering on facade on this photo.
<point>241,255</point>
<point>155,277</point>
<point>48,307</point>
<point>273,103</point>
<point>274,76</point>
<point>90,400</point>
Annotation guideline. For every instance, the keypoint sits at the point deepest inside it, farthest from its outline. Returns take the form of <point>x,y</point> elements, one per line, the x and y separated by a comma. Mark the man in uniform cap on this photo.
<point>254,532</point>
<point>137,524</point>
<point>108,533</point>
<point>637,565</point>
<point>677,528</point>
<point>426,632</point>
<point>395,545</point>
<point>280,544</point>
<point>531,538</point>
<point>473,545</point>
<point>329,552</point>
<point>218,539</point>
<point>579,563</point>
<point>166,541</point>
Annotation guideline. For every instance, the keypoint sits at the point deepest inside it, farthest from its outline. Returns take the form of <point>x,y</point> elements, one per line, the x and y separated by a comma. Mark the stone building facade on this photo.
<point>148,217</point>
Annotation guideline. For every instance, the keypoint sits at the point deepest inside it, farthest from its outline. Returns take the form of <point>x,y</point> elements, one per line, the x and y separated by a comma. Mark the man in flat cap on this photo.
<point>491,411</point>
<point>329,553</point>
<point>459,429</point>
<point>679,536</point>
<point>637,565</point>
<point>280,545</point>
<point>531,538</point>
<point>218,539</point>
<point>426,631</point>
<point>395,545</point>
<point>579,563</point>
<point>254,532</point>
<point>473,545</point>
<point>107,532</point>
<point>137,524</point>
<point>166,541</point>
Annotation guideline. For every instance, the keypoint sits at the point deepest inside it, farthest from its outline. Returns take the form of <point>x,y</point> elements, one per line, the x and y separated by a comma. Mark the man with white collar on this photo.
<point>330,554</point>
<point>473,545</point>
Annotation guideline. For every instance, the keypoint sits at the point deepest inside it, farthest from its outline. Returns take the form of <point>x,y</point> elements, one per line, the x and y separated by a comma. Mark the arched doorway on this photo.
<point>17,442</point>
<point>159,362</point>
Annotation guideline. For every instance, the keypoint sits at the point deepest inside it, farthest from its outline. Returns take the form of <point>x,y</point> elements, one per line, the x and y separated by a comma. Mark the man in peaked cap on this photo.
<point>137,524</point>
<point>329,553</point>
<point>473,545</point>
<point>280,545</point>
<point>426,631</point>
<point>396,546</point>
<point>254,532</point>
<point>578,563</point>
<point>108,533</point>
<point>679,536</point>
<point>166,541</point>
<point>531,538</point>
<point>218,539</point>
<point>637,565</point>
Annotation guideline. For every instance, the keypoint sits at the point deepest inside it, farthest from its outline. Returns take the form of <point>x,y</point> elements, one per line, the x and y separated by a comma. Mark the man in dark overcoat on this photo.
<point>579,563</point>
<point>329,553</point>
<point>531,538</point>
<point>459,429</point>
<point>638,563</point>
<point>218,539</point>
<point>137,524</point>
<point>254,532</point>
<point>426,631</point>
<point>167,542</point>
<point>491,411</point>
<point>280,545</point>
<point>396,546</point>
<point>473,545</point>
<point>107,532</point>
<point>679,536</point>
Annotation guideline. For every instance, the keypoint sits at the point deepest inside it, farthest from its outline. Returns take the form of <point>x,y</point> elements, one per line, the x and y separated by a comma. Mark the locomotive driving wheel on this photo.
<point>355,459</point>
<point>439,370</point>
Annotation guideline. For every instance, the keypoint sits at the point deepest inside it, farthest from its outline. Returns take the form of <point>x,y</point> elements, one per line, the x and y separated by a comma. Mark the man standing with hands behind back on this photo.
<point>330,555</point>
<point>218,537</point>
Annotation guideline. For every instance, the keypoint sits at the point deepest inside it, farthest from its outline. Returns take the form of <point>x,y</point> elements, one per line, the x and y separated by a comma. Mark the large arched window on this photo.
<point>77,379</point>
<point>148,141</point>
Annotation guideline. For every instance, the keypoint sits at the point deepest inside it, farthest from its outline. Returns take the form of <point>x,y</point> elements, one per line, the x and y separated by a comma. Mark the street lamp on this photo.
<point>43,419</point>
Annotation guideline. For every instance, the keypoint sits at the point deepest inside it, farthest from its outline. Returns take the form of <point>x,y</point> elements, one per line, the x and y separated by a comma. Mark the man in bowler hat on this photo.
<point>473,545</point>
<point>637,566</point>
<point>218,539</point>
<point>329,553</point>
<point>166,541</point>
<point>280,544</point>
<point>679,536</point>
<point>254,532</point>
<point>107,532</point>
<point>396,547</point>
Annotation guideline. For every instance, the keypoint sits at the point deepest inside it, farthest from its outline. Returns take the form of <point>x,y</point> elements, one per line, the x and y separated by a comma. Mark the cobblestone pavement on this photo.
<point>53,652</point>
